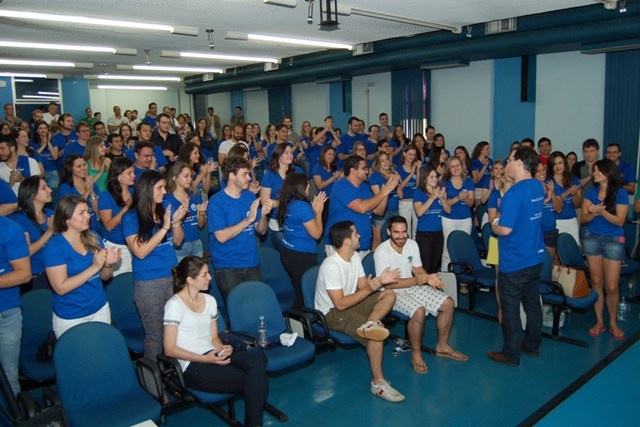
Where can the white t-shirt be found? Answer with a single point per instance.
(5, 173)
(336, 273)
(385, 256)
(48, 118)
(114, 121)
(226, 146)
(194, 329)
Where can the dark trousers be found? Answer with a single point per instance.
(515, 288)
(296, 263)
(245, 375)
(227, 278)
(431, 244)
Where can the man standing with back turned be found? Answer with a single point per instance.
(520, 264)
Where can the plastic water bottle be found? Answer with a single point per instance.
(622, 310)
(262, 332)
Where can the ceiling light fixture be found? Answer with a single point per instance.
(40, 97)
(346, 10)
(66, 47)
(132, 87)
(623, 6)
(234, 35)
(23, 80)
(608, 4)
(36, 63)
(227, 57)
(147, 56)
(48, 93)
(88, 21)
(131, 77)
(310, 12)
(25, 75)
(329, 15)
(285, 3)
(171, 68)
(212, 42)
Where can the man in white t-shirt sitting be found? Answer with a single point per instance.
(352, 304)
(417, 293)
(225, 146)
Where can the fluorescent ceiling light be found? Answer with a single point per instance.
(27, 75)
(40, 97)
(48, 93)
(286, 3)
(127, 77)
(228, 57)
(132, 87)
(346, 10)
(234, 35)
(5, 61)
(175, 68)
(23, 80)
(88, 21)
(55, 46)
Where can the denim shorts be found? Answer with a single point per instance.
(610, 247)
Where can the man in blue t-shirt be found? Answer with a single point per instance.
(520, 264)
(234, 217)
(352, 200)
(629, 178)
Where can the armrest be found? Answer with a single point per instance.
(171, 374)
(28, 407)
(239, 340)
(302, 318)
(51, 398)
(554, 288)
(149, 378)
(466, 267)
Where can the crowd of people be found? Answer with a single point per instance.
(83, 202)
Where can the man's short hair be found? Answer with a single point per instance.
(96, 124)
(141, 145)
(238, 107)
(527, 141)
(528, 157)
(381, 115)
(62, 117)
(327, 118)
(161, 115)
(9, 140)
(591, 142)
(615, 144)
(543, 139)
(7, 104)
(140, 125)
(287, 117)
(373, 126)
(81, 125)
(339, 232)
(397, 219)
(352, 119)
(150, 104)
(53, 103)
(430, 127)
(280, 127)
(352, 162)
(210, 109)
(87, 109)
(232, 165)
(111, 136)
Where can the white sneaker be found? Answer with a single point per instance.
(373, 331)
(384, 390)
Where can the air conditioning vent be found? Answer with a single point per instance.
(270, 66)
(207, 77)
(501, 26)
(362, 49)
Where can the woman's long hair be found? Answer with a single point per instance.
(92, 152)
(118, 166)
(446, 175)
(566, 174)
(66, 172)
(145, 206)
(173, 173)
(64, 211)
(424, 174)
(184, 155)
(333, 166)
(274, 161)
(477, 150)
(26, 193)
(294, 187)
(190, 266)
(614, 183)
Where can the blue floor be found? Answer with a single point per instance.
(334, 390)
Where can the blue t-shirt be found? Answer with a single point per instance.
(84, 300)
(485, 179)
(431, 220)
(343, 193)
(224, 211)
(548, 216)
(23, 166)
(161, 160)
(66, 189)
(272, 147)
(45, 157)
(627, 172)
(106, 202)
(521, 210)
(190, 222)
(7, 196)
(296, 236)
(393, 204)
(60, 141)
(74, 148)
(599, 225)
(13, 246)
(460, 210)
(319, 170)
(161, 259)
(568, 210)
(35, 233)
(314, 154)
(274, 181)
(410, 188)
(151, 121)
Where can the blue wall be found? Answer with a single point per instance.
(75, 97)
(512, 119)
(340, 104)
(236, 98)
(6, 94)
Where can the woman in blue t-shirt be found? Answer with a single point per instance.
(428, 203)
(47, 152)
(76, 264)
(383, 170)
(408, 172)
(191, 154)
(113, 204)
(604, 210)
(481, 165)
(460, 196)
(301, 222)
(325, 173)
(37, 222)
(74, 180)
(551, 207)
(566, 189)
(181, 193)
(151, 231)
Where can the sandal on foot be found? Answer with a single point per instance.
(419, 367)
(596, 331)
(453, 355)
(618, 336)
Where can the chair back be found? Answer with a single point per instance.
(462, 249)
(547, 265)
(384, 231)
(248, 301)
(569, 251)
(275, 275)
(486, 234)
(369, 265)
(309, 279)
(123, 310)
(36, 326)
(92, 363)
(214, 291)
(320, 253)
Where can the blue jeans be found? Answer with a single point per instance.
(189, 248)
(10, 337)
(515, 288)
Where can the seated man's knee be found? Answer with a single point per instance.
(419, 314)
(447, 305)
(388, 295)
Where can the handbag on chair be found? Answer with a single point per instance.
(573, 281)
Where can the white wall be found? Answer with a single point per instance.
(368, 106)
(461, 103)
(309, 101)
(570, 99)
(103, 100)
(257, 107)
(220, 103)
